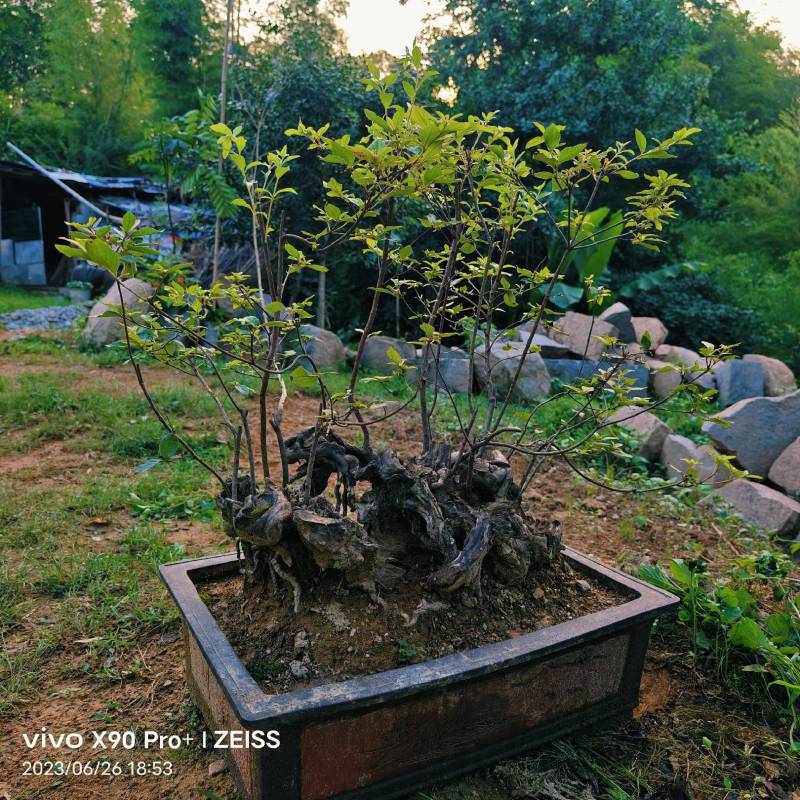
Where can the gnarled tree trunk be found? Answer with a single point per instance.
(463, 517)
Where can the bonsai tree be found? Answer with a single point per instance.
(335, 501)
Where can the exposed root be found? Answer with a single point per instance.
(461, 513)
(465, 569)
(290, 579)
(424, 607)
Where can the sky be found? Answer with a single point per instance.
(783, 14)
(386, 25)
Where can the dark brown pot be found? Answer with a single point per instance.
(386, 735)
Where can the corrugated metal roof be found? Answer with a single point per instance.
(136, 183)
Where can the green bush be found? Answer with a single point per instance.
(698, 307)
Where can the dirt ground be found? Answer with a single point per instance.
(152, 696)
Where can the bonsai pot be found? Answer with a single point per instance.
(389, 734)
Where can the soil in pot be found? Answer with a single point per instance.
(340, 633)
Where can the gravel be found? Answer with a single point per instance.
(49, 317)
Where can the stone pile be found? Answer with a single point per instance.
(46, 318)
(763, 434)
(759, 394)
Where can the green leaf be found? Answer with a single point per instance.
(101, 254)
(302, 378)
(655, 575)
(70, 252)
(169, 446)
(747, 633)
(563, 295)
(128, 221)
(393, 356)
(680, 572)
(641, 140)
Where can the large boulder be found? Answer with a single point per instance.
(324, 348)
(548, 348)
(682, 356)
(778, 378)
(580, 332)
(678, 451)
(453, 372)
(686, 358)
(709, 470)
(737, 380)
(652, 325)
(758, 504)
(761, 428)
(648, 428)
(100, 330)
(785, 471)
(569, 370)
(664, 377)
(504, 360)
(619, 315)
(376, 354)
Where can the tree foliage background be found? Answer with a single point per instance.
(82, 81)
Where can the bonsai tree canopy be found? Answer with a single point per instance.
(472, 189)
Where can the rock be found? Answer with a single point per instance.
(300, 641)
(101, 331)
(217, 767)
(504, 359)
(675, 453)
(654, 326)
(584, 586)
(324, 348)
(568, 370)
(778, 378)
(758, 504)
(761, 429)
(453, 371)
(678, 450)
(298, 669)
(662, 384)
(785, 471)
(619, 315)
(709, 471)
(548, 348)
(684, 357)
(225, 305)
(579, 332)
(738, 380)
(382, 410)
(649, 429)
(47, 318)
(375, 356)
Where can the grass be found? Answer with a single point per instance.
(16, 298)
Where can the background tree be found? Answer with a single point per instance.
(703, 63)
(605, 65)
(171, 39)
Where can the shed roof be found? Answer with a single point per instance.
(135, 183)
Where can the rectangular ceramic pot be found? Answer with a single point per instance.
(389, 734)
